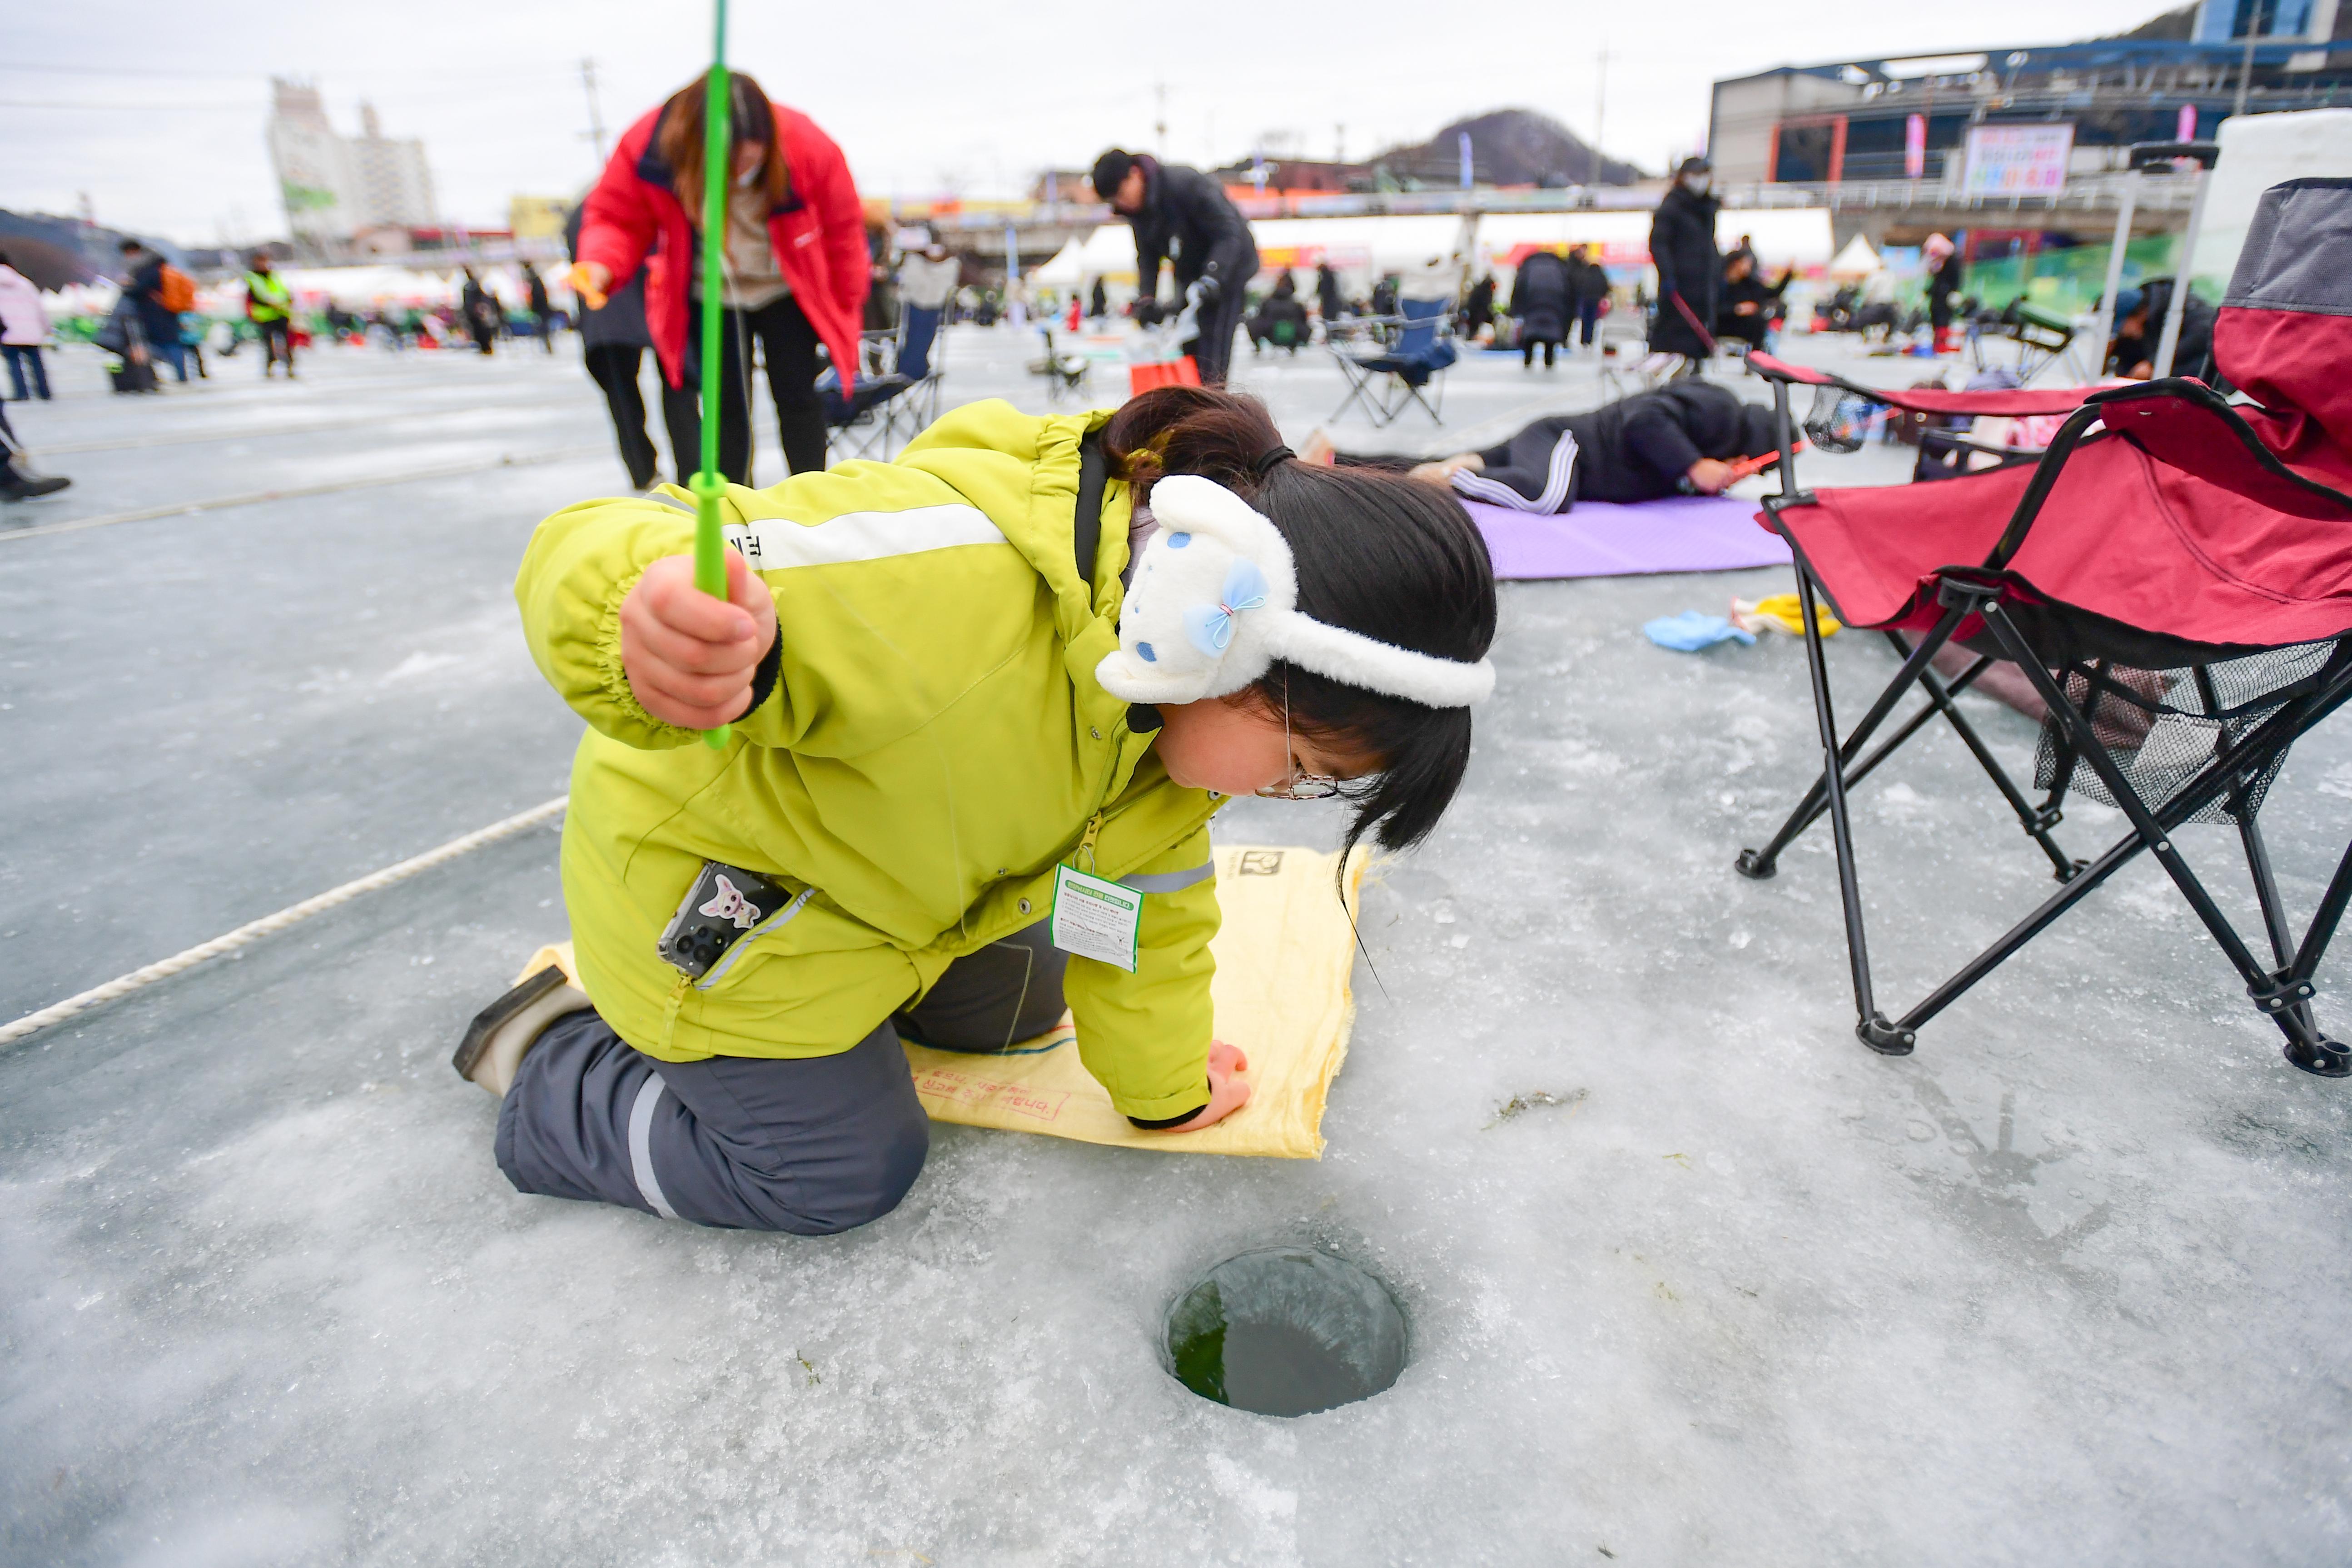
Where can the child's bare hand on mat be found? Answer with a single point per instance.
(689, 658)
(1711, 478)
(1228, 1090)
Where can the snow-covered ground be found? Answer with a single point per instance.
(2068, 1285)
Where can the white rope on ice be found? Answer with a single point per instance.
(297, 492)
(253, 931)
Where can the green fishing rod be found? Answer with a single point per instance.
(717, 171)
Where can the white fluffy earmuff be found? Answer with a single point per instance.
(1214, 601)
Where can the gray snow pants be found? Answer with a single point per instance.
(808, 1144)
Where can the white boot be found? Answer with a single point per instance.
(492, 1051)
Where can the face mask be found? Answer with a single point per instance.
(1696, 185)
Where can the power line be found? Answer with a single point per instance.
(250, 73)
(595, 110)
(129, 105)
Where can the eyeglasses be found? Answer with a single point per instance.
(1301, 786)
(1298, 783)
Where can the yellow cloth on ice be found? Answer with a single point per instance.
(1779, 613)
(1285, 953)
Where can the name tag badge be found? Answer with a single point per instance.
(1095, 918)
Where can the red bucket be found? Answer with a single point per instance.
(1142, 378)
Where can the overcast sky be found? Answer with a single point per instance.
(156, 110)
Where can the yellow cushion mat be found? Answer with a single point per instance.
(1285, 953)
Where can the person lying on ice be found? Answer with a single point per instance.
(940, 726)
(1681, 439)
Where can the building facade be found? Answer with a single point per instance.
(2029, 116)
(334, 186)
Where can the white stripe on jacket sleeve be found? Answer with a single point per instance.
(775, 543)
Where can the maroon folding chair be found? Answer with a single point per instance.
(2174, 575)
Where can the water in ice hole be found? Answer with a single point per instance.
(1281, 1331)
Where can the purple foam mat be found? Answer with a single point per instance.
(1604, 539)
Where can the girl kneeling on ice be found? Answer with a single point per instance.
(941, 721)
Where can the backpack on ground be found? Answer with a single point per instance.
(175, 290)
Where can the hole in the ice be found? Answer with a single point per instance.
(1283, 1330)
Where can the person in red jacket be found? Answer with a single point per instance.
(796, 268)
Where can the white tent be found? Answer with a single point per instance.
(1108, 252)
(364, 287)
(1067, 270)
(1362, 250)
(1856, 260)
(1359, 249)
(2257, 150)
(1783, 237)
(1505, 238)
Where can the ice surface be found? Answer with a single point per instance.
(1691, 1277)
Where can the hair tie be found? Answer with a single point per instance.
(1265, 464)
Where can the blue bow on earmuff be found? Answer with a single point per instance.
(1210, 627)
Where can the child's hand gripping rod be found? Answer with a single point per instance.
(718, 167)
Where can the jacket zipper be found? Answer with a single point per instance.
(780, 917)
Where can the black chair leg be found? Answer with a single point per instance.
(2306, 1048)
(2036, 823)
(1870, 1025)
(1759, 864)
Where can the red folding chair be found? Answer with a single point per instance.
(2174, 575)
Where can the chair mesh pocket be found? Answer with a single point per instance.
(2158, 752)
(1842, 421)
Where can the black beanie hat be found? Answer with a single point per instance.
(1109, 170)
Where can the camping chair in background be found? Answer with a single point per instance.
(898, 391)
(2173, 576)
(1948, 454)
(1951, 445)
(1064, 372)
(1625, 368)
(1391, 362)
(2043, 338)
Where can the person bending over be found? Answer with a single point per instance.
(1170, 205)
(950, 701)
(1681, 439)
(1543, 302)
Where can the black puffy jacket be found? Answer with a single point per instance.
(1187, 220)
(1541, 296)
(1682, 247)
(1640, 448)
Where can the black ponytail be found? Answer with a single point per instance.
(1377, 554)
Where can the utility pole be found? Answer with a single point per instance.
(2246, 66)
(1599, 110)
(1159, 124)
(595, 110)
(1340, 142)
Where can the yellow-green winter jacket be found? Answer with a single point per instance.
(935, 745)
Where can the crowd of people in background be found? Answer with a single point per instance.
(804, 276)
